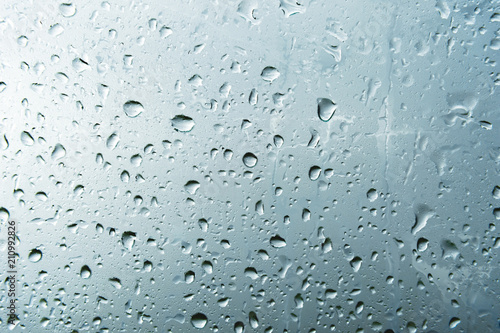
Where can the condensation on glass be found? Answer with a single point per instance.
(252, 166)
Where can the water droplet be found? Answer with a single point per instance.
(165, 32)
(496, 213)
(372, 195)
(80, 65)
(27, 139)
(270, 74)
(422, 215)
(192, 186)
(422, 244)
(85, 272)
(4, 143)
(251, 273)
(239, 327)
(56, 30)
(136, 160)
(250, 160)
(67, 9)
(454, 322)
(133, 108)
(199, 320)
(326, 109)
(496, 192)
(35, 255)
(314, 172)
(4, 215)
(58, 152)
(112, 141)
(253, 320)
(125, 176)
(278, 141)
(356, 263)
(189, 277)
(182, 123)
(128, 239)
(115, 282)
(207, 267)
(254, 97)
(277, 241)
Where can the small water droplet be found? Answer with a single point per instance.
(133, 108)
(326, 109)
(182, 123)
(250, 160)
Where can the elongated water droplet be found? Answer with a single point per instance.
(112, 141)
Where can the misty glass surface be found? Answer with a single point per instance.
(251, 166)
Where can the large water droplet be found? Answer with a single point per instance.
(314, 172)
(128, 239)
(372, 195)
(326, 109)
(199, 320)
(58, 152)
(133, 108)
(496, 192)
(27, 139)
(239, 327)
(270, 74)
(182, 123)
(192, 186)
(67, 9)
(85, 272)
(35, 255)
(112, 141)
(250, 160)
(277, 241)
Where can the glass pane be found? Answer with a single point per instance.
(250, 166)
